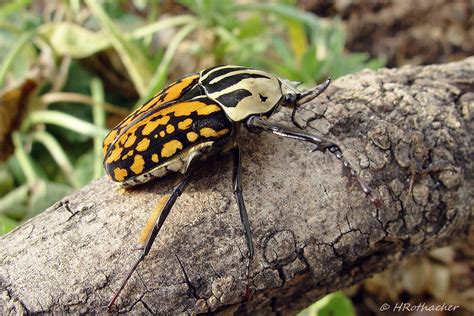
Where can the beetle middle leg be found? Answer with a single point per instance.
(177, 190)
(256, 123)
(237, 187)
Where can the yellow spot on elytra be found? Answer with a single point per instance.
(172, 92)
(209, 132)
(138, 164)
(176, 89)
(120, 174)
(185, 124)
(162, 133)
(155, 136)
(169, 128)
(170, 148)
(129, 154)
(152, 103)
(115, 154)
(147, 229)
(109, 139)
(208, 109)
(161, 117)
(186, 108)
(151, 126)
(154, 158)
(143, 144)
(192, 136)
(130, 141)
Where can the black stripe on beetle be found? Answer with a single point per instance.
(231, 81)
(233, 98)
(218, 73)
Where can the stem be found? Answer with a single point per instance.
(64, 120)
(98, 115)
(26, 164)
(59, 155)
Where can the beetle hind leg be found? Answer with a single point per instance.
(162, 211)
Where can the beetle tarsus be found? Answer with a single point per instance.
(352, 174)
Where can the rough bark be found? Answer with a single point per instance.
(408, 130)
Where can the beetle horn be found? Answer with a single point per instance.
(311, 94)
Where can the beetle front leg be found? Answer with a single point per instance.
(256, 123)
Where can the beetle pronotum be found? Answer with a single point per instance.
(196, 117)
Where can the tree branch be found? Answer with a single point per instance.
(410, 132)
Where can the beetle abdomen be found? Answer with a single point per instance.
(160, 135)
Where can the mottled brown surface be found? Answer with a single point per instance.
(404, 32)
(410, 130)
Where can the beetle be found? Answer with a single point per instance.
(197, 117)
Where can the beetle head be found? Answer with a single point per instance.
(290, 90)
(293, 96)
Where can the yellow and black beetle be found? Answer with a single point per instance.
(196, 117)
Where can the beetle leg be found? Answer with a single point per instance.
(255, 123)
(306, 97)
(177, 190)
(237, 183)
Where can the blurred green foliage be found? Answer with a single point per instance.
(333, 304)
(83, 56)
